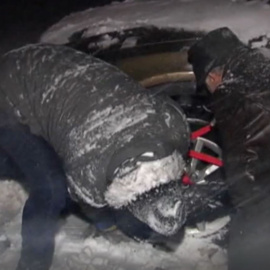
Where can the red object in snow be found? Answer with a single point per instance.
(200, 132)
(206, 158)
(186, 180)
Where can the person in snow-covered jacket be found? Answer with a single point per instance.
(238, 78)
(74, 123)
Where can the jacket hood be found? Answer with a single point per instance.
(213, 50)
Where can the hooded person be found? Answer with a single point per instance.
(238, 79)
(116, 142)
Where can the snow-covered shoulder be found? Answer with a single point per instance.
(145, 177)
(247, 19)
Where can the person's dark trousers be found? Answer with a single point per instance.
(249, 245)
(30, 160)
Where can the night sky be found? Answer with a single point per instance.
(22, 21)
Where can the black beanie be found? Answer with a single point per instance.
(213, 50)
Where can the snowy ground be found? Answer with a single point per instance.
(110, 251)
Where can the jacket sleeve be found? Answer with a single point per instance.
(46, 183)
(247, 151)
(241, 107)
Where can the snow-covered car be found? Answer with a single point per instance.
(248, 19)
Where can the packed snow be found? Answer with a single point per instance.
(76, 250)
(247, 19)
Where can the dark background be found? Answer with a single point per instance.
(23, 21)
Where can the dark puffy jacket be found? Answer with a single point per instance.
(87, 110)
(242, 109)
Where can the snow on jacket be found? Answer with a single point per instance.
(88, 111)
(242, 109)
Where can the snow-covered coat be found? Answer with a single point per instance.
(242, 109)
(93, 115)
